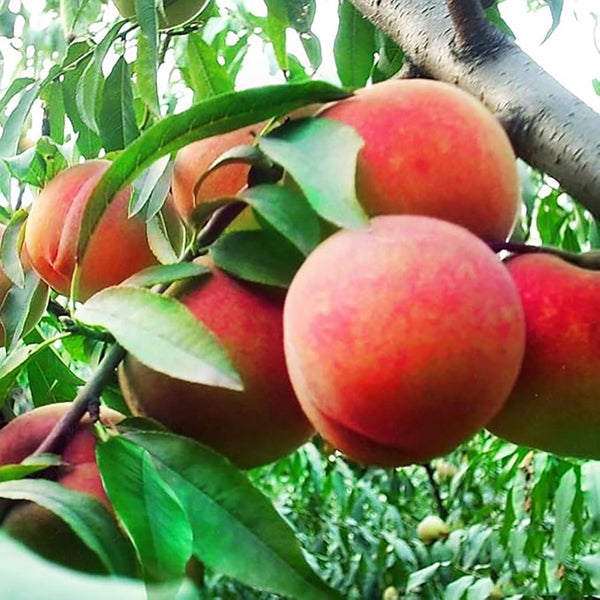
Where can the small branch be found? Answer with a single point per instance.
(88, 395)
(436, 491)
(586, 260)
(218, 222)
(470, 23)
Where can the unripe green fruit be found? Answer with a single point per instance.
(176, 11)
(432, 528)
(390, 593)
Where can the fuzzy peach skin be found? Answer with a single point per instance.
(402, 339)
(432, 149)
(34, 525)
(117, 249)
(195, 158)
(253, 427)
(555, 404)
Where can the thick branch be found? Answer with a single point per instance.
(549, 127)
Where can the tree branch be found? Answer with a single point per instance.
(585, 260)
(469, 21)
(549, 127)
(437, 496)
(63, 430)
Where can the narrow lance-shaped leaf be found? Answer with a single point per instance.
(23, 307)
(146, 63)
(10, 248)
(89, 87)
(208, 77)
(86, 516)
(354, 46)
(237, 531)
(215, 115)
(118, 126)
(163, 274)
(149, 510)
(145, 184)
(277, 22)
(162, 333)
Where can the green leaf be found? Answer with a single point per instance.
(21, 306)
(149, 510)
(456, 590)
(17, 582)
(354, 46)
(11, 132)
(321, 157)
(288, 212)
(563, 530)
(88, 95)
(146, 183)
(32, 465)
(118, 127)
(12, 364)
(277, 22)
(146, 63)
(159, 240)
(39, 164)
(259, 256)
(88, 142)
(162, 333)
(237, 531)
(421, 577)
(163, 274)
(16, 87)
(52, 95)
(208, 77)
(590, 472)
(86, 516)
(556, 7)
(10, 248)
(215, 115)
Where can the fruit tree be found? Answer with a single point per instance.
(299, 299)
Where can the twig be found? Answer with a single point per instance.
(586, 260)
(469, 20)
(436, 491)
(88, 395)
(218, 222)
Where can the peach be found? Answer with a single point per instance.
(34, 525)
(554, 404)
(195, 158)
(402, 339)
(253, 427)
(177, 12)
(432, 149)
(118, 247)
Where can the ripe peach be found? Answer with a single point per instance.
(432, 149)
(402, 339)
(195, 158)
(34, 525)
(176, 12)
(253, 427)
(432, 528)
(554, 404)
(118, 247)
